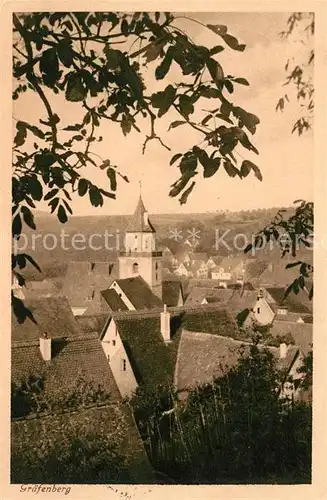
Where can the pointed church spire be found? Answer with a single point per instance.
(140, 222)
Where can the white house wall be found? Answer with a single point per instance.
(262, 312)
(116, 355)
(122, 295)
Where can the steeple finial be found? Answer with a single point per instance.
(140, 184)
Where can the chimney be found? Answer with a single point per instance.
(165, 324)
(45, 347)
(283, 350)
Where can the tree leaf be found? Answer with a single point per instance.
(62, 215)
(176, 124)
(65, 52)
(49, 66)
(163, 100)
(35, 188)
(232, 42)
(20, 311)
(53, 204)
(211, 167)
(96, 198)
(28, 217)
(241, 81)
(163, 68)
(75, 90)
(245, 168)
(51, 194)
(20, 134)
(216, 50)
(231, 170)
(16, 226)
(229, 86)
(186, 105)
(175, 158)
(219, 29)
(187, 192)
(82, 187)
(215, 70)
(32, 261)
(111, 173)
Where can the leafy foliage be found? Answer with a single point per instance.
(87, 58)
(237, 430)
(290, 233)
(299, 74)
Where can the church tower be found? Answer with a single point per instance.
(140, 257)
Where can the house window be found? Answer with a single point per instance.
(124, 365)
(282, 312)
(135, 268)
(114, 343)
(108, 358)
(258, 310)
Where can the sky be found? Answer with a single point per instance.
(286, 160)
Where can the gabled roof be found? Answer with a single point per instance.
(92, 323)
(151, 360)
(301, 332)
(294, 302)
(46, 287)
(139, 293)
(53, 315)
(138, 224)
(202, 357)
(233, 299)
(216, 321)
(171, 292)
(113, 300)
(293, 317)
(85, 279)
(71, 356)
(82, 356)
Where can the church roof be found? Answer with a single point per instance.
(113, 300)
(139, 293)
(138, 224)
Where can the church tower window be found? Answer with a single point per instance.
(135, 268)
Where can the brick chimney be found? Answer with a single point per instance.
(283, 350)
(165, 324)
(45, 347)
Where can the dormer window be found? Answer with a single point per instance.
(282, 312)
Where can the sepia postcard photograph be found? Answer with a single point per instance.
(166, 318)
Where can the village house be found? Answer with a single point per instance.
(213, 262)
(50, 357)
(202, 357)
(199, 269)
(84, 281)
(182, 270)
